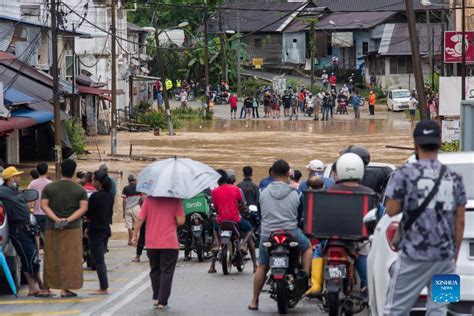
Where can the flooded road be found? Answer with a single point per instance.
(236, 143)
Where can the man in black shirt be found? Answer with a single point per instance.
(286, 103)
(131, 205)
(249, 188)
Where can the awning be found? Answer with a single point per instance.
(46, 107)
(15, 123)
(13, 96)
(104, 93)
(39, 117)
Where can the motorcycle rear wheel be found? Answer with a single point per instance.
(334, 308)
(282, 296)
(226, 258)
(199, 248)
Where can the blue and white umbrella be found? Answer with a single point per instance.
(7, 272)
(181, 178)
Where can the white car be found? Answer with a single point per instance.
(397, 100)
(382, 256)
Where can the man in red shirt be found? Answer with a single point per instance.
(333, 81)
(229, 201)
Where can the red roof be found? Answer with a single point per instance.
(6, 56)
(15, 123)
(98, 91)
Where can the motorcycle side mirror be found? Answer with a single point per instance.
(30, 195)
(370, 221)
(253, 208)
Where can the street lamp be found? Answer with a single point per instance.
(161, 67)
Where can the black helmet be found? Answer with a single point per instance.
(359, 150)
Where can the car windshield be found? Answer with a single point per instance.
(467, 172)
(401, 94)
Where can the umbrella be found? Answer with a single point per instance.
(6, 271)
(181, 178)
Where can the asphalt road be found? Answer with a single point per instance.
(195, 292)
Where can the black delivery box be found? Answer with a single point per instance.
(337, 214)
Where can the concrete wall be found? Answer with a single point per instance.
(294, 48)
(271, 47)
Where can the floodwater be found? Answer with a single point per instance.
(237, 143)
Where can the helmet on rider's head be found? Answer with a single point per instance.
(350, 167)
(359, 150)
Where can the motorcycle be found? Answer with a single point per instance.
(177, 96)
(230, 253)
(288, 282)
(339, 294)
(196, 235)
(254, 219)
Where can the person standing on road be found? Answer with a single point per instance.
(281, 209)
(432, 199)
(64, 202)
(233, 106)
(100, 211)
(356, 104)
(19, 224)
(184, 98)
(130, 205)
(248, 103)
(294, 107)
(327, 103)
(38, 185)
(318, 105)
(286, 99)
(249, 188)
(333, 81)
(372, 101)
(162, 216)
(267, 100)
(325, 79)
(255, 107)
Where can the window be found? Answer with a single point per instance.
(257, 43)
(365, 48)
(69, 66)
(400, 65)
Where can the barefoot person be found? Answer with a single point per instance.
(99, 213)
(64, 202)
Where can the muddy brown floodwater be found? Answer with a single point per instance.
(235, 143)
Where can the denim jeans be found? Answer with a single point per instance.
(98, 247)
(326, 111)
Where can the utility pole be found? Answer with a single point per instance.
(161, 66)
(55, 74)
(416, 60)
(206, 49)
(430, 46)
(463, 50)
(313, 42)
(114, 83)
(239, 82)
(222, 40)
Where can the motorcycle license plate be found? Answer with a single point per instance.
(196, 228)
(335, 271)
(278, 262)
(226, 233)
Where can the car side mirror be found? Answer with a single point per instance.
(370, 221)
(30, 195)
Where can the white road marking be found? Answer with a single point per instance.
(117, 294)
(130, 297)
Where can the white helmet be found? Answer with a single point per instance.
(350, 167)
(316, 165)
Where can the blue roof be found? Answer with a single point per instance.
(13, 96)
(38, 116)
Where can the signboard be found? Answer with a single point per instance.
(453, 46)
(450, 94)
(279, 85)
(342, 39)
(450, 131)
(257, 62)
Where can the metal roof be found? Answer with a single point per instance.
(13, 123)
(352, 20)
(135, 28)
(262, 17)
(38, 24)
(39, 117)
(374, 5)
(396, 39)
(14, 97)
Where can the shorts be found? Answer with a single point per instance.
(275, 107)
(131, 215)
(303, 244)
(286, 106)
(233, 110)
(244, 226)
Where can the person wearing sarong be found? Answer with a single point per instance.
(64, 202)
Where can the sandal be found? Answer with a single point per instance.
(68, 294)
(253, 308)
(44, 295)
(136, 260)
(33, 293)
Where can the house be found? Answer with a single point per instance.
(392, 63)
(261, 26)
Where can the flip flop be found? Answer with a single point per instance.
(69, 294)
(44, 295)
(33, 294)
(253, 308)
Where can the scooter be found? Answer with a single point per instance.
(230, 254)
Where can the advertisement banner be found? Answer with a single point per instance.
(453, 46)
(450, 131)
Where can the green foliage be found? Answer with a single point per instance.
(76, 136)
(451, 146)
(252, 86)
(157, 119)
(190, 114)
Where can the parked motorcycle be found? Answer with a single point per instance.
(177, 96)
(288, 282)
(230, 254)
(254, 219)
(196, 235)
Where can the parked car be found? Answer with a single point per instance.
(382, 255)
(397, 100)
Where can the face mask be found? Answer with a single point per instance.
(15, 185)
